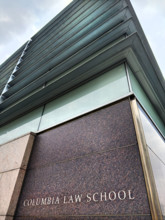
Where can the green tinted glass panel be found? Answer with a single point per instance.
(145, 102)
(153, 138)
(96, 93)
(21, 126)
(156, 147)
(159, 174)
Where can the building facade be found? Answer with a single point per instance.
(82, 120)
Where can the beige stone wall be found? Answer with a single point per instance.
(14, 157)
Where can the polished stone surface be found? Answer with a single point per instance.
(114, 170)
(132, 217)
(15, 154)
(6, 218)
(14, 157)
(101, 130)
(10, 185)
(89, 156)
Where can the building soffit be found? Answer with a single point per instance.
(131, 47)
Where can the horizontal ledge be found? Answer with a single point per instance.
(125, 49)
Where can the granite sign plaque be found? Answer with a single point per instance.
(88, 168)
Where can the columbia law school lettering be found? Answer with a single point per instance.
(82, 120)
(95, 197)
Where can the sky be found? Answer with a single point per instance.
(21, 19)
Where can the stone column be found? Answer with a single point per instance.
(14, 157)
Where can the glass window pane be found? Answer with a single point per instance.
(145, 102)
(156, 148)
(96, 93)
(153, 138)
(159, 174)
(21, 126)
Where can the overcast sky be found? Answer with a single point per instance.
(21, 19)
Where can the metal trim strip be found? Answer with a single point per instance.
(146, 164)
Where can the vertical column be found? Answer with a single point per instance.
(14, 157)
(146, 164)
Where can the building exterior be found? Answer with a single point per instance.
(82, 120)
